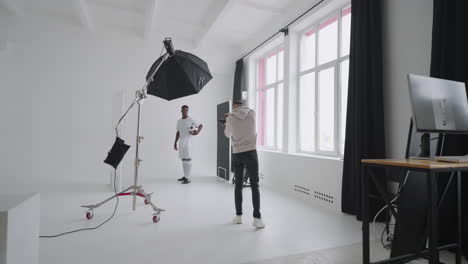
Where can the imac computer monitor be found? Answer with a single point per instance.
(438, 105)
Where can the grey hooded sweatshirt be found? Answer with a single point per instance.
(240, 126)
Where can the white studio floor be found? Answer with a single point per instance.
(196, 228)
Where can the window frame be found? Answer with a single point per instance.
(265, 55)
(337, 151)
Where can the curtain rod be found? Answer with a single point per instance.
(284, 30)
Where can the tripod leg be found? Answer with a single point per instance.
(148, 200)
(105, 201)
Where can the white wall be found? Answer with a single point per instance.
(58, 92)
(313, 179)
(406, 38)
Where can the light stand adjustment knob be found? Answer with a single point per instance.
(137, 162)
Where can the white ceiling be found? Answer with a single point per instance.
(231, 22)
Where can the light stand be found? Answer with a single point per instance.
(136, 190)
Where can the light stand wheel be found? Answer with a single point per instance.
(156, 218)
(89, 215)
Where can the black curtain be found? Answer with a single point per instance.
(450, 61)
(238, 81)
(365, 135)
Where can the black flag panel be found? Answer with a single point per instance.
(117, 152)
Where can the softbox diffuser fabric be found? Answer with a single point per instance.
(180, 75)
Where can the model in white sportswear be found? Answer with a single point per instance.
(184, 137)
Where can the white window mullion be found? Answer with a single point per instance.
(341, 59)
(339, 33)
(298, 94)
(338, 103)
(275, 139)
(337, 88)
(320, 67)
(266, 131)
(316, 112)
(337, 111)
(298, 116)
(338, 85)
(276, 101)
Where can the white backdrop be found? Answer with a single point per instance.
(60, 93)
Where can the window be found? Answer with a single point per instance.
(323, 84)
(269, 107)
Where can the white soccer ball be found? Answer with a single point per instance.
(193, 128)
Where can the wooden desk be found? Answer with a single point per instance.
(431, 168)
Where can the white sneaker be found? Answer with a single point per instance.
(258, 223)
(237, 219)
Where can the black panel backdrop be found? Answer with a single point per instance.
(223, 147)
(365, 135)
(450, 61)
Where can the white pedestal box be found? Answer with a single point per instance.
(19, 228)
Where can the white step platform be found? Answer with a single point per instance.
(19, 228)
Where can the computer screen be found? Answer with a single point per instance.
(438, 105)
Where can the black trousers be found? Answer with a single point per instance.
(249, 160)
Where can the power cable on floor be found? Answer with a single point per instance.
(91, 228)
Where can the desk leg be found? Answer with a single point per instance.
(459, 219)
(432, 218)
(365, 216)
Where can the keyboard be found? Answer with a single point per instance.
(458, 159)
(422, 158)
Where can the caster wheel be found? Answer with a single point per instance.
(146, 201)
(89, 215)
(156, 218)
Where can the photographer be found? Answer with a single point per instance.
(240, 126)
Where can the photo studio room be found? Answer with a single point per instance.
(233, 131)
